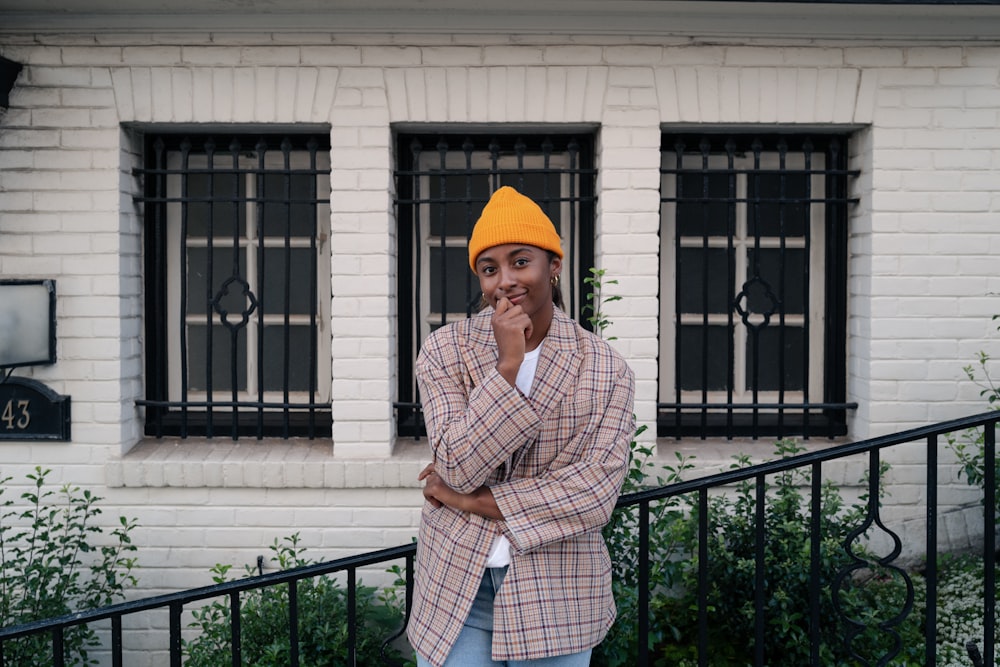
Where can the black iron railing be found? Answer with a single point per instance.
(177, 603)
(814, 461)
(645, 502)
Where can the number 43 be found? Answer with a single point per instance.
(16, 416)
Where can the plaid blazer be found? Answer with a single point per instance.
(555, 462)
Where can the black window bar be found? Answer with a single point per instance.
(743, 211)
(217, 210)
(443, 181)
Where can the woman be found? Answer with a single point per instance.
(529, 419)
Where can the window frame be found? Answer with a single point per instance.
(739, 409)
(501, 158)
(173, 406)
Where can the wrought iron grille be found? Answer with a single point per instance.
(443, 182)
(753, 285)
(237, 282)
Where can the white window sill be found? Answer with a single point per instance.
(261, 464)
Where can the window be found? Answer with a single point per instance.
(443, 182)
(237, 286)
(753, 286)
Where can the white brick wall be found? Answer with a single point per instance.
(923, 245)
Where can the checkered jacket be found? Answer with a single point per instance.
(555, 462)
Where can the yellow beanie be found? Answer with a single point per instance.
(510, 217)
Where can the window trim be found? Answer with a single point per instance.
(499, 143)
(282, 413)
(711, 414)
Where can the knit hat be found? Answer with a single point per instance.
(510, 217)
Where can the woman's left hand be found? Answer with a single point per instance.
(434, 486)
(438, 493)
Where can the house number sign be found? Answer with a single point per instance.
(31, 411)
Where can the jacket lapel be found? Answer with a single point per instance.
(558, 365)
(558, 362)
(555, 375)
(481, 355)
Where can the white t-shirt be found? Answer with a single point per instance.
(500, 552)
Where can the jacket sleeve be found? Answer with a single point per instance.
(578, 498)
(472, 432)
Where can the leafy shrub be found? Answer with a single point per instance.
(961, 577)
(52, 563)
(872, 595)
(596, 300)
(322, 621)
(671, 533)
(970, 447)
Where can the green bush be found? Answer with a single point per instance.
(671, 534)
(864, 595)
(322, 622)
(871, 595)
(970, 447)
(53, 562)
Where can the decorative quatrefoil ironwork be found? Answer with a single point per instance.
(249, 300)
(756, 289)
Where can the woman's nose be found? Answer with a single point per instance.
(506, 277)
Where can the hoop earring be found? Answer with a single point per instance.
(555, 280)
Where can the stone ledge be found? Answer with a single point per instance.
(260, 464)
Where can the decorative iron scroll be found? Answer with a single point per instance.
(880, 567)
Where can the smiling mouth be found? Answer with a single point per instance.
(515, 299)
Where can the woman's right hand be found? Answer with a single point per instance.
(511, 329)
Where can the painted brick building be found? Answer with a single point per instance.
(884, 120)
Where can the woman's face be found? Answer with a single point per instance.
(522, 273)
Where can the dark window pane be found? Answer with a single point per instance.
(775, 210)
(691, 279)
(788, 286)
(697, 359)
(457, 216)
(460, 287)
(222, 358)
(280, 190)
(771, 347)
(696, 215)
(219, 207)
(203, 288)
(299, 362)
(273, 281)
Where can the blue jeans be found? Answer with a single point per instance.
(476, 639)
